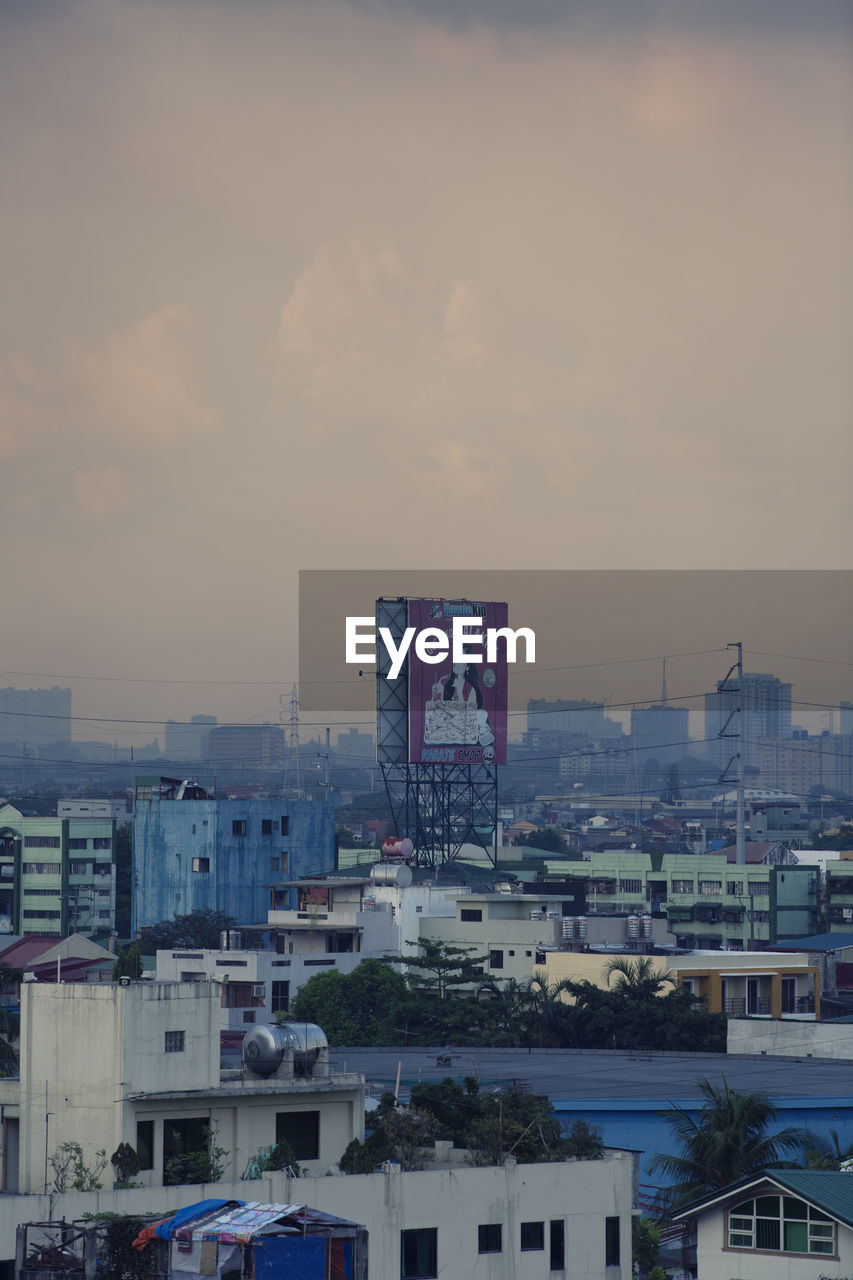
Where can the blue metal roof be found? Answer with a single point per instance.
(817, 942)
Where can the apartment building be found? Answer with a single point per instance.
(57, 875)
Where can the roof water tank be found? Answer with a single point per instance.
(264, 1047)
(581, 928)
(568, 928)
(633, 923)
(391, 873)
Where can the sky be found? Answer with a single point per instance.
(408, 285)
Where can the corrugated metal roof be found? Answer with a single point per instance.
(828, 1190)
(817, 942)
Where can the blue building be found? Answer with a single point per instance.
(193, 851)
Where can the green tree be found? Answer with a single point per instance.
(128, 962)
(729, 1139)
(645, 1243)
(124, 878)
(9, 1028)
(358, 1008)
(635, 977)
(440, 968)
(549, 838)
(198, 929)
(203, 1165)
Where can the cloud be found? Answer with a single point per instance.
(139, 383)
(99, 495)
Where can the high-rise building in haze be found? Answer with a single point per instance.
(660, 732)
(188, 741)
(766, 714)
(33, 718)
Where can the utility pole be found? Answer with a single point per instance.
(736, 715)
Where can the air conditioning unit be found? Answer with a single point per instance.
(259, 989)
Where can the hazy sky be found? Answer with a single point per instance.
(332, 285)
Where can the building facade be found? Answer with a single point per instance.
(57, 875)
(193, 851)
(766, 707)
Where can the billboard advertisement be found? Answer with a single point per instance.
(458, 701)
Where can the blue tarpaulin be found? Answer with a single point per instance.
(165, 1229)
(297, 1257)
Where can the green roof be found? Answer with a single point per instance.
(826, 1189)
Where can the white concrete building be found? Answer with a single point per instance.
(785, 1224)
(105, 1064)
(569, 1221)
(338, 922)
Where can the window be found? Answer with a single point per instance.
(558, 1245)
(273, 864)
(470, 913)
(186, 1150)
(78, 843)
(418, 909)
(43, 893)
(631, 886)
(41, 842)
(266, 826)
(419, 1254)
(611, 1242)
(734, 887)
(238, 827)
(248, 1015)
(489, 1238)
(280, 997)
(301, 1131)
(759, 888)
(711, 887)
(201, 864)
(145, 1144)
(496, 959)
(512, 953)
(682, 886)
(41, 868)
(103, 915)
(102, 842)
(528, 953)
(780, 1223)
(41, 915)
(174, 1042)
(78, 868)
(284, 862)
(532, 1236)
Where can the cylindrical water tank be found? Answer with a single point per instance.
(264, 1047)
(580, 930)
(391, 873)
(647, 927)
(568, 928)
(398, 847)
(633, 924)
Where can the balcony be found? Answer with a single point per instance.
(741, 1007)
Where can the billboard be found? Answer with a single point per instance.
(457, 708)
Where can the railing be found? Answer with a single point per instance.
(745, 1008)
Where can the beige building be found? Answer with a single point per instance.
(105, 1064)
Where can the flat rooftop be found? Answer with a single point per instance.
(609, 1076)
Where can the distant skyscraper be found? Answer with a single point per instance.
(767, 714)
(846, 725)
(188, 741)
(574, 717)
(252, 746)
(33, 718)
(660, 732)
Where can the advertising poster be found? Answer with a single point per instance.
(458, 710)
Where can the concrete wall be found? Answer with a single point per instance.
(582, 1194)
(169, 834)
(791, 1039)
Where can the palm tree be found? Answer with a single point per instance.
(636, 975)
(727, 1141)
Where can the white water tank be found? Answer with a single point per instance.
(396, 873)
(568, 928)
(633, 924)
(264, 1047)
(647, 928)
(580, 931)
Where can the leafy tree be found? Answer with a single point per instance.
(586, 1141)
(70, 1171)
(200, 929)
(440, 967)
(822, 1154)
(125, 1162)
(268, 1159)
(128, 962)
(549, 838)
(645, 1243)
(636, 977)
(203, 1165)
(358, 1008)
(9, 1030)
(117, 1259)
(728, 1140)
(124, 878)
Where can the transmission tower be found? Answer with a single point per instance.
(292, 785)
